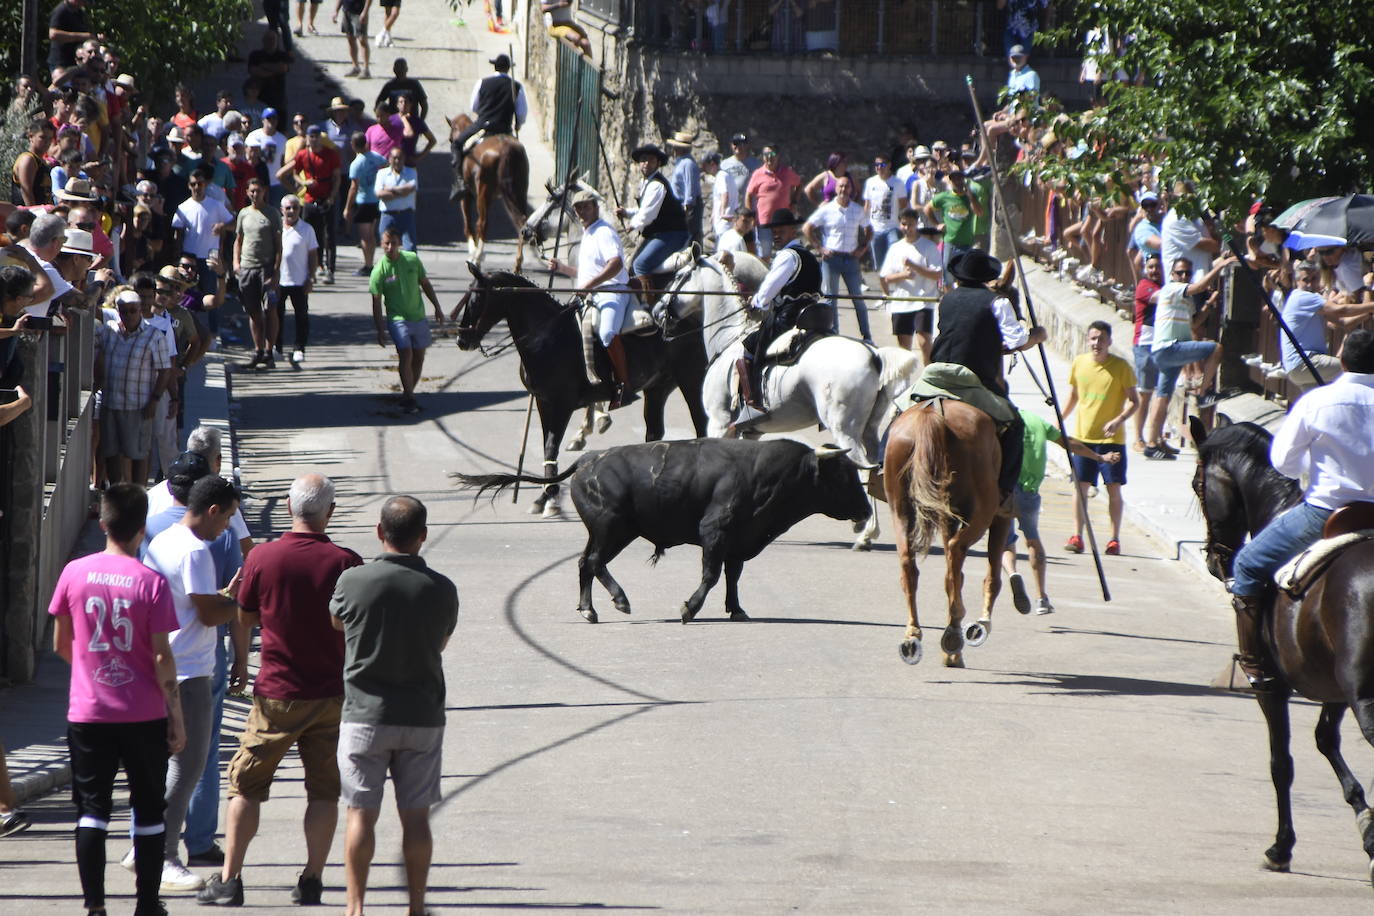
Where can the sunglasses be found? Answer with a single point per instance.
(130, 309)
(880, 163)
(86, 226)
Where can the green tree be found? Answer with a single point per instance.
(1244, 97)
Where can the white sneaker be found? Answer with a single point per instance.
(1043, 606)
(128, 860)
(178, 879)
(297, 356)
(381, 38)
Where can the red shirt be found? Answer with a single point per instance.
(772, 191)
(1144, 308)
(243, 172)
(289, 583)
(320, 171)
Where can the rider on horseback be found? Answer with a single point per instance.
(660, 219)
(792, 285)
(976, 326)
(499, 107)
(1326, 435)
(601, 275)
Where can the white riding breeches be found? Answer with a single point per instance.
(610, 315)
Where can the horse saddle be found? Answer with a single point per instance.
(951, 381)
(636, 321)
(474, 140)
(789, 346)
(1297, 575)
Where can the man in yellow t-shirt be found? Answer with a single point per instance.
(1102, 387)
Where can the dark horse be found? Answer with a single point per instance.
(549, 341)
(496, 165)
(1322, 645)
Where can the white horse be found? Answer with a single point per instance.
(841, 383)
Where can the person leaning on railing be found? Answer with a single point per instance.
(16, 292)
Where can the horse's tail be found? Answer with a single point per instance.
(928, 478)
(498, 482)
(897, 365)
(515, 182)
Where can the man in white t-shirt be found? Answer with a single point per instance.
(207, 442)
(912, 269)
(1347, 271)
(724, 194)
(1184, 237)
(200, 224)
(839, 230)
(740, 235)
(300, 256)
(883, 197)
(601, 273)
(273, 144)
(183, 557)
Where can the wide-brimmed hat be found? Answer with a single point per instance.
(500, 62)
(682, 139)
(783, 217)
(79, 241)
(338, 103)
(921, 152)
(648, 149)
(975, 266)
(127, 81)
(77, 189)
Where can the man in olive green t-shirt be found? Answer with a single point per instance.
(396, 615)
(257, 257)
(954, 210)
(396, 283)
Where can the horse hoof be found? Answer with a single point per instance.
(862, 545)
(551, 510)
(951, 640)
(977, 633)
(622, 606)
(603, 422)
(911, 651)
(588, 614)
(738, 614)
(536, 507)
(576, 445)
(956, 660)
(1272, 865)
(687, 613)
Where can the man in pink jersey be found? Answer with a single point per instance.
(112, 616)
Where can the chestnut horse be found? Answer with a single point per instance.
(496, 165)
(940, 476)
(1323, 645)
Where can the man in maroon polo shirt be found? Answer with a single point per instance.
(298, 694)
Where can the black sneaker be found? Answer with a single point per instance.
(155, 909)
(221, 893)
(210, 858)
(409, 405)
(1156, 453)
(269, 361)
(307, 891)
(1207, 400)
(12, 823)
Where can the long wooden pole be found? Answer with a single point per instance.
(1004, 222)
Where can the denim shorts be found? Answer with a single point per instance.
(1026, 512)
(1169, 362)
(1146, 373)
(1086, 470)
(409, 335)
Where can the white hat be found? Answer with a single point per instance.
(128, 297)
(145, 187)
(79, 241)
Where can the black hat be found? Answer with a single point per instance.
(189, 464)
(649, 149)
(500, 62)
(975, 266)
(739, 138)
(783, 217)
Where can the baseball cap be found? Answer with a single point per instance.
(585, 197)
(189, 464)
(128, 297)
(1148, 195)
(740, 138)
(269, 113)
(1017, 51)
(314, 129)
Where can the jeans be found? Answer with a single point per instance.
(1280, 541)
(1146, 373)
(202, 816)
(404, 221)
(882, 241)
(1169, 362)
(656, 250)
(322, 219)
(846, 266)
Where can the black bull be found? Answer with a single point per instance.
(731, 497)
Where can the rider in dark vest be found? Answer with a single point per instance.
(498, 106)
(792, 284)
(971, 335)
(659, 217)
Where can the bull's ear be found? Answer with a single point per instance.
(829, 451)
(1199, 432)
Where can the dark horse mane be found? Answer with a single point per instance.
(1243, 450)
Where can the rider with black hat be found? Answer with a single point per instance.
(659, 217)
(792, 284)
(498, 107)
(976, 326)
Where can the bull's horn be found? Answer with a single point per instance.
(830, 451)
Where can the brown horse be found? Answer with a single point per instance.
(1323, 645)
(496, 165)
(940, 475)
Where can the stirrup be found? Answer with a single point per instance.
(1255, 672)
(748, 416)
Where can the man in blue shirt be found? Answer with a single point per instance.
(1306, 312)
(1021, 78)
(686, 181)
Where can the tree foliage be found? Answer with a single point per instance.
(1245, 97)
(161, 42)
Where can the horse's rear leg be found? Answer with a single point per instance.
(895, 485)
(579, 439)
(952, 642)
(479, 235)
(1274, 705)
(979, 631)
(1364, 714)
(654, 400)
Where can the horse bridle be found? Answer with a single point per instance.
(511, 340)
(1219, 556)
